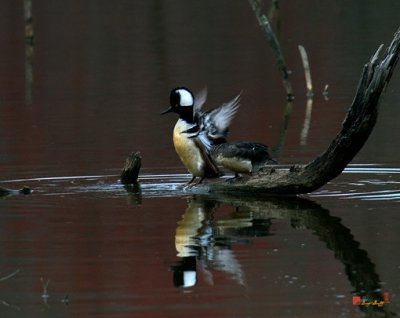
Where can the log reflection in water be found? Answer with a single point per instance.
(203, 242)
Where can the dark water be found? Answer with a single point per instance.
(84, 246)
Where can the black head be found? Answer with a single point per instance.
(181, 102)
(181, 97)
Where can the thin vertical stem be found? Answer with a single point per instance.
(307, 72)
(306, 124)
(275, 46)
(29, 50)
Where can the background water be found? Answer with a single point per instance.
(89, 92)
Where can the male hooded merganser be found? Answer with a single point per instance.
(192, 147)
(241, 157)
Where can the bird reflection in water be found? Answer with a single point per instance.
(204, 244)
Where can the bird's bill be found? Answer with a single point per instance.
(166, 111)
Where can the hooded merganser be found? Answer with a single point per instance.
(191, 146)
(241, 157)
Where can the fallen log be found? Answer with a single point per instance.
(356, 128)
(299, 179)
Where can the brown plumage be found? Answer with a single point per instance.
(242, 157)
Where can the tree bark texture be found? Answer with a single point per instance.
(130, 172)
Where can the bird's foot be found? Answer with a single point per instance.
(191, 183)
(234, 179)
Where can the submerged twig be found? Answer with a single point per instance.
(275, 46)
(3, 302)
(307, 72)
(45, 294)
(65, 300)
(2, 279)
(9, 275)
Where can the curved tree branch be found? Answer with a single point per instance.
(356, 128)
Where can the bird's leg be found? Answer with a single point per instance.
(201, 180)
(190, 182)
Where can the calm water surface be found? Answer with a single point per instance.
(89, 93)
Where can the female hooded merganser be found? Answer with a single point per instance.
(241, 157)
(192, 147)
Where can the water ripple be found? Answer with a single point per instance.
(377, 183)
(371, 170)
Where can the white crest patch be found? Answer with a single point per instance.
(186, 97)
